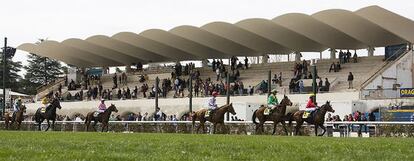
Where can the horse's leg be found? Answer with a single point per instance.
(284, 127)
(298, 126)
(103, 126)
(324, 130)
(274, 127)
(316, 129)
(87, 122)
(48, 124)
(214, 128)
(53, 125)
(94, 124)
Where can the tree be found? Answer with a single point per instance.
(42, 70)
(12, 76)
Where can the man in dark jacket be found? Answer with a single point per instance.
(350, 79)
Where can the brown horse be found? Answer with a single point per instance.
(317, 118)
(216, 118)
(278, 115)
(18, 118)
(102, 117)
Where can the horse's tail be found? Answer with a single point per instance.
(254, 117)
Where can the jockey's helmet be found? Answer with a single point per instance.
(274, 91)
(215, 94)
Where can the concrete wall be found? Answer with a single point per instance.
(341, 103)
(398, 73)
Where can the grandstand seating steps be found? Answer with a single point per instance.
(258, 72)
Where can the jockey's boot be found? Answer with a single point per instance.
(14, 116)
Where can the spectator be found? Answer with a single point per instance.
(355, 57)
(218, 74)
(350, 79)
(301, 86)
(332, 67)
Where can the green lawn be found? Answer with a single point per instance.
(119, 146)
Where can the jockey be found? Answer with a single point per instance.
(310, 106)
(102, 106)
(17, 105)
(45, 102)
(272, 100)
(212, 105)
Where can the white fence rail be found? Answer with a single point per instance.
(336, 129)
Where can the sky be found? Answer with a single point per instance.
(25, 21)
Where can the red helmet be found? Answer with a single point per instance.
(215, 94)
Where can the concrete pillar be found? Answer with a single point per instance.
(257, 60)
(320, 55)
(264, 59)
(370, 51)
(333, 53)
(298, 55)
(288, 57)
(127, 68)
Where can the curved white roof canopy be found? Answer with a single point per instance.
(371, 26)
(173, 54)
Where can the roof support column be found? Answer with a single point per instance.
(265, 59)
(298, 55)
(320, 55)
(371, 51)
(288, 57)
(333, 53)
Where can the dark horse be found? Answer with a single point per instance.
(278, 115)
(18, 118)
(216, 118)
(49, 114)
(317, 118)
(102, 117)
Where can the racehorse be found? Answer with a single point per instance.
(49, 114)
(102, 117)
(216, 118)
(316, 118)
(18, 118)
(278, 115)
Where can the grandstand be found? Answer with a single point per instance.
(286, 34)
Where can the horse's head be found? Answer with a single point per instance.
(112, 108)
(56, 103)
(286, 101)
(231, 109)
(327, 106)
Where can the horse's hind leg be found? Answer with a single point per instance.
(316, 130)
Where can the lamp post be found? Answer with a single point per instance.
(228, 94)
(157, 81)
(314, 75)
(191, 93)
(4, 75)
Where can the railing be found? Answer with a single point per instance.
(336, 129)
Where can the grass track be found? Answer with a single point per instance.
(118, 146)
